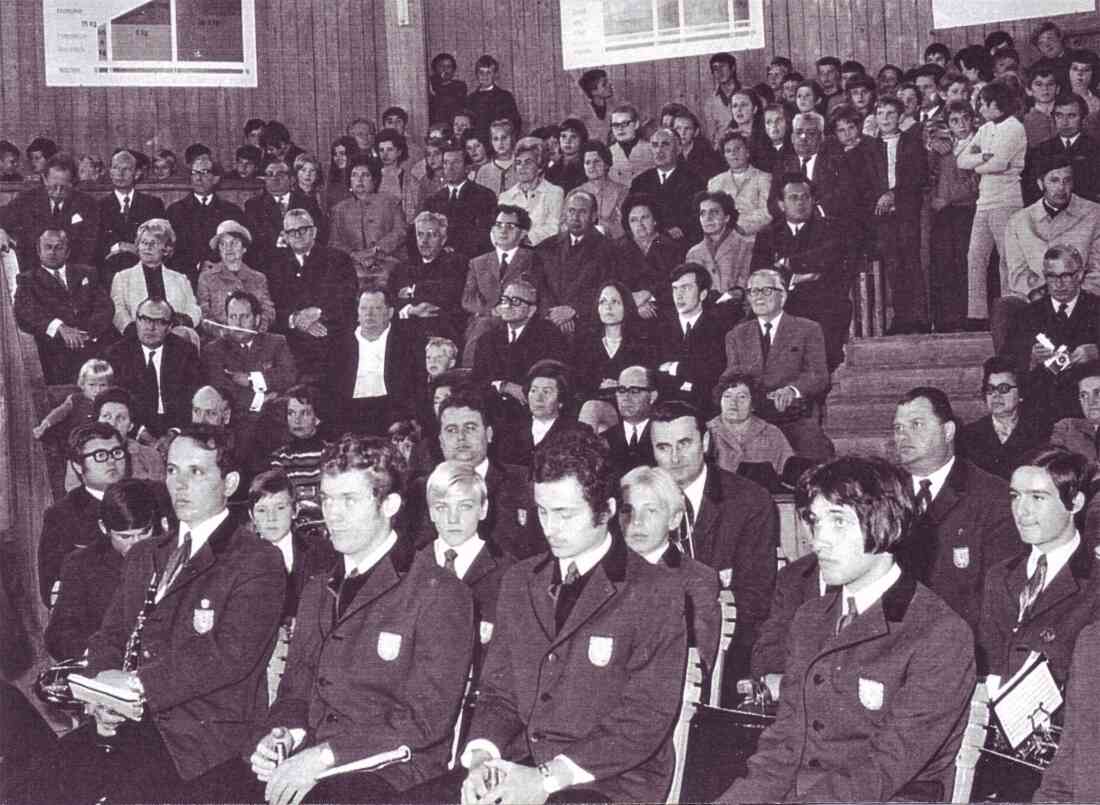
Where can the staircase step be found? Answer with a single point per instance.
(948, 349)
(955, 381)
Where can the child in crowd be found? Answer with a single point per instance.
(76, 409)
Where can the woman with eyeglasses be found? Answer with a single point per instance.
(612, 343)
(151, 278)
(130, 511)
(999, 440)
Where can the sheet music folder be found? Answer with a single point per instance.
(1027, 700)
(126, 701)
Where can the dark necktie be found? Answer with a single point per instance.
(204, 201)
(661, 178)
(284, 203)
(924, 497)
(1030, 594)
(126, 207)
(152, 382)
(1060, 313)
(348, 588)
(454, 195)
(805, 166)
(176, 561)
(633, 437)
(766, 341)
(687, 529)
(687, 331)
(503, 264)
(565, 596)
(846, 619)
(57, 275)
(449, 557)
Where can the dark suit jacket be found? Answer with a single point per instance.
(89, 578)
(704, 161)
(180, 377)
(39, 299)
(26, 214)
(623, 457)
(592, 365)
(268, 353)
(114, 227)
(468, 219)
(771, 159)
(573, 275)
(837, 187)
(1051, 397)
(327, 280)
(492, 104)
(401, 362)
(205, 700)
(264, 219)
(978, 443)
(911, 174)
(389, 671)
(967, 529)
(496, 359)
(702, 611)
(1085, 156)
(70, 523)
(650, 271)
(1069, 602)
(674, 198)
(311, 558)
(700, 356)
(796, 584)
(516, 444)
(194, 226)
(610, 695)
(796, 356)
(439, 283)
(484, 284)
(870, 711)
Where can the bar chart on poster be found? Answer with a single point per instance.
(603, 32)
(955, 14)
(150, 43)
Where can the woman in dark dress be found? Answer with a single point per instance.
(613, 343)
(648, 257)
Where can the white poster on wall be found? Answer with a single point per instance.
(597, 33)
(957, 13)
(150, 43)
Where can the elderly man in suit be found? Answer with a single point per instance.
(674, 185)
(204, 586)
(160, 369)
(373, 378)
(314, 289)
(195, 217)
(264, 214)
(829, 171)
(730, 524)
(381, 652)
(429, 281)
(628, 440)
(614, 625)
(57, 204)
(120, 214)
(786, 354)
(810, 250)
(467, 205)
(964, 524)
(900, 663)
(63, 306)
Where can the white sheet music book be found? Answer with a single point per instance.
(1027, 700)
(399, 755)
(125, 701)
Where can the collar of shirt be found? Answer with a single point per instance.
(365, 564)
(1070, 305)
(655, 556)
(774, 322)
(155, 352)
(286, 548)
(866, 597)
(95, 493)
(1004, 429)
(467, 553)
(630, 428)
(510, 254)
(575, 240)
(377, 344)
(692, 320)
(540, 427)
(1056, 558)
(664, 174)
(283, 198)
(482, 469)
(518, 331)
(694, 491)
(795, 227)
(200, 532)
(59, 271)
(122, 197)
(1069, 141)
(586, 560)
(204, 200)
(1051, 210)
(937, 478)
(301, 258)
(456, 188)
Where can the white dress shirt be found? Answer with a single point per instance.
(370, 373)
(466, 553)
(938, 478)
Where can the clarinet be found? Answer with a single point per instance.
(132, 656)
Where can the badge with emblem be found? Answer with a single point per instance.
(486, 632)
(521, 516)
(726, 576)
(599, 650)
(203, 618)
(389, 646)
(1047, 635)
(871, 693)
(961, 556)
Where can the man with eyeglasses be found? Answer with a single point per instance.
(1081, 434)
(314, 288)
(1068, 317)
(628, 440)
(630, 156)
(195, 217)
(264, 214)
(98, 455)
(786, 354)
(159, 368)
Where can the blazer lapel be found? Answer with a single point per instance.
(708, 513)
(1067, 582)
(381, 579)
(483, 565)
(539, 591)
(597, 592)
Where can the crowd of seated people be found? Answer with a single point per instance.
(451, 442)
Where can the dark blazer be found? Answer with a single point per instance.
(484, 284)
(70, 523)
(89, 578)
(1085, 156)
(1070, 601)
(439, 283)
(573, 275)
(1051, 397)
(401, 361)
(114, 227)
(623, 457)
(566, 176)
(604, 690)
(492, 104)
(796, 584)
(674, 198)
(978, 443)
(496, 359)
(967, 529)
(702, 612)
(796, 356)
(837, 186)
(268, 353)
(592, 365)
(911, 174)
(771, 159)
(312, 557)
(650, 271)
(264, 219)
(389, 671)
(871, 712)
(701, 357)
(194, 226)
(204, 700)
(516, 444)
(469, 219)
(704, 161)
(39, 299)
(327, 280)
(26, 214)
(180, 377)
(1072, 776)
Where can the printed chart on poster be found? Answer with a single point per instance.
(150, 43)
(597, 33)
(955, 14)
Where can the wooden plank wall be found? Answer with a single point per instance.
(321, 63)
(873, 31)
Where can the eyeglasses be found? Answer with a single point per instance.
(765, 292)
(1000, 388)
(275, 174)
(1066, 277)
(632, 391)
(514, 301)
(202, 172)
(507, 226)
(622, 124)
(154, 322)
(300, 232)
(101, 456)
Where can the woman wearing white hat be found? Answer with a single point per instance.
(218, 281)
